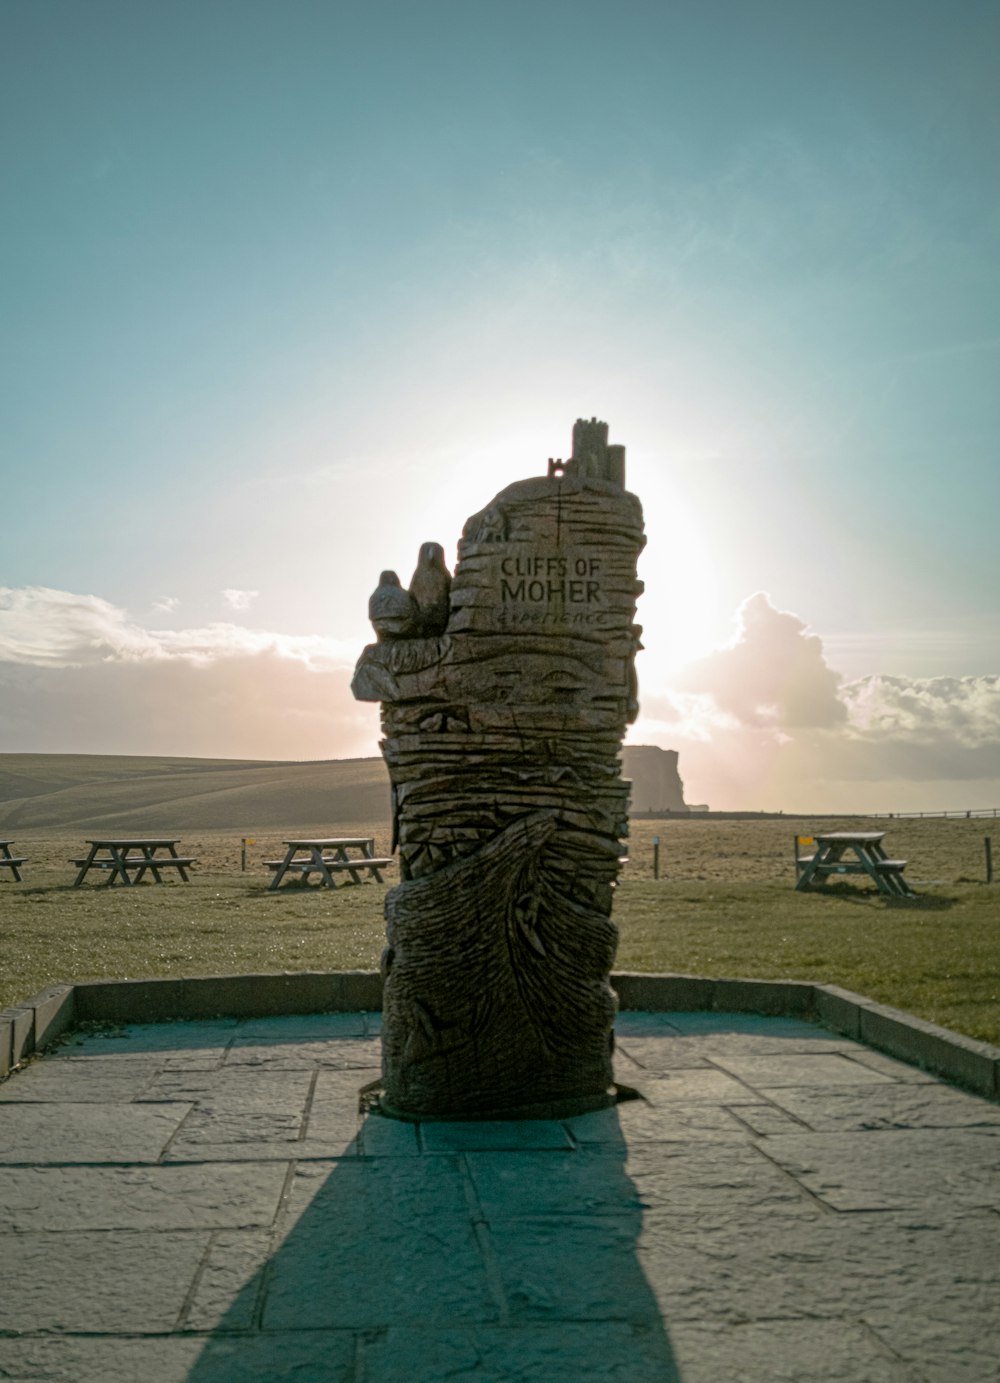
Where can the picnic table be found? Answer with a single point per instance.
(329, 857)
(9, 861)
(866, 857)
(128, 858)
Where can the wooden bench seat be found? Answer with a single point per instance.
(137, 865)
(359, 864)
(140, 862)
(13, 863)
(309, 866)
(852, 866)
(328, 868)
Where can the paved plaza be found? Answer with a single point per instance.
(203, 1202)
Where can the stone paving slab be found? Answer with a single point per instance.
(206, 1202)
(563, 1352)
(338, 1053)
(334, 1105)
(709, 1084)
(896, 1169)
(101, 1080)
(309, 1027)
(652, 1053)
(657, 1120)
(233, 1090)
(171, 1041)
(788, 1351)
(90, 1132)
(957, 1351)
(507, 1136)
(321, 1355)
(99, 1283)
(743, 1268)
(139, 1198)
(906, 1104)
(795, 1069)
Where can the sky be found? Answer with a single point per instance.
(292, 286)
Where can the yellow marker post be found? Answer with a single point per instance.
(801, 841)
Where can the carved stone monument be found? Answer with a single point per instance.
(505, 693)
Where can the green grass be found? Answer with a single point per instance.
(226, 924)
(937, 956)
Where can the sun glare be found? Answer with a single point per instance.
(679, 609)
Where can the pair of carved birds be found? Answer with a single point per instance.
(420, 612)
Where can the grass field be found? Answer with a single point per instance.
(724, 905)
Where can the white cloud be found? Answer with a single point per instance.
(76, 674)
(765, 722)
(41, 627)
(963, 710)
(168, 604)
(239, 600)
(49, 628)
(772, 674)
(245, 706)
(762, 723)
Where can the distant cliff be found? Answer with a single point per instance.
(656, 784)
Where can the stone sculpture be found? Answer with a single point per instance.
(503, 716)
(431, 590)
(392, 611)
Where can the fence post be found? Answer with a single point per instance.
(656, 857)
(243, 855)
(989, 858)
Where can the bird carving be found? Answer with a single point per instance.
(431, 590)
(392, 611)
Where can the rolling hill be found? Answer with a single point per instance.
(158, 794)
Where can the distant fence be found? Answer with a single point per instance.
(686, 815)
(970, 815)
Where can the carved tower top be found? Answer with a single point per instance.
(592, 458)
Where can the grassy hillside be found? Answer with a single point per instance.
(41, 792)
(937, 956)
(725, 902)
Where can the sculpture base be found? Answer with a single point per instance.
(548, 1109)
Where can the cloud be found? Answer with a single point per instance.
(76, 674)
(920, 729)
(41, 627)
(245, 706)
(960, 710)
(772, 674)
(766, 723)
(239, 600)
(49, 628)
(168, 604)
(761, 723)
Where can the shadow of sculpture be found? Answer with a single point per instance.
(514, 1263)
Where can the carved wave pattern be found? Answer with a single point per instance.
(522, 970)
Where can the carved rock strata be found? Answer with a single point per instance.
(502, 737)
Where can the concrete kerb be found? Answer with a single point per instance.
(38, 1022)
(35, 1024)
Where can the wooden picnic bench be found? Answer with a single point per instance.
(129, 858)
(866, 857)
(11, 862)
(328, 856)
